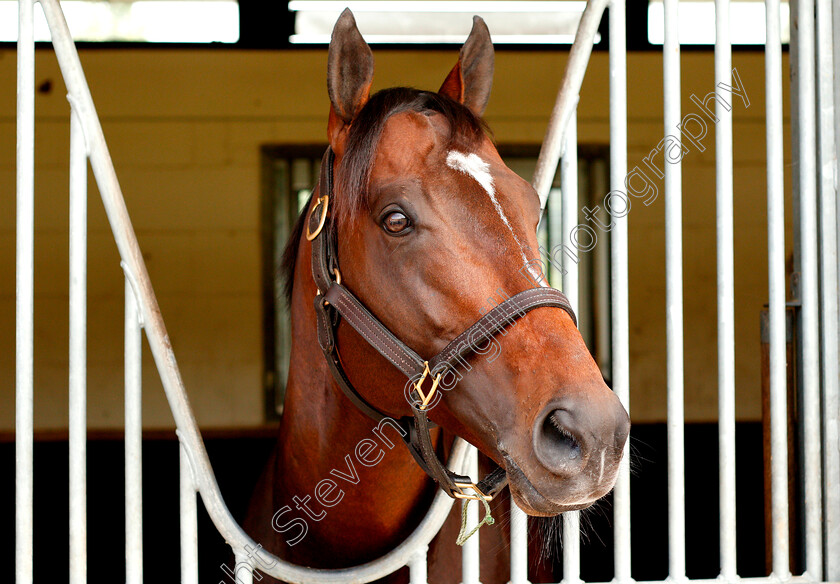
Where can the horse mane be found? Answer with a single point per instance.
(352, 176)
(287, 264)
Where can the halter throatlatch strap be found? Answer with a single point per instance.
(334, 300)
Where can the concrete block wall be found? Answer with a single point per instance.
(185, 128)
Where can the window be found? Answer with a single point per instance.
(289, 175)
(150, 21)
(441, 21)
(697, 22)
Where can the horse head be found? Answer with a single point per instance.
(432, 230)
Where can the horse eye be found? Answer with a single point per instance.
(395, 222)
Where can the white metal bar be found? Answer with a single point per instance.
(556, 237)
(567, 98)
(674, 301)
(418, 567)
(836, 35)
(725, 296)
(836, 43)
(243, 568)
(571, 548)
(619, 278)
(828, 287)
(77, 436)
(833, 566)
(133, 440)
(569, 211)
(24, 292)
(518, 545)
(470, 550)
(189, 520)
(571, 288)
(810, 289)
(776, 310)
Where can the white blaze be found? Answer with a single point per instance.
(472, 165)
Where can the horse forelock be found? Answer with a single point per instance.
(353, 173)
(352, 176)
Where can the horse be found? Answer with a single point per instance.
(417, 235)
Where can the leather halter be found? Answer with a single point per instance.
(335, 301)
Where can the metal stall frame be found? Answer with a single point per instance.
(143, 313)
(815, 147)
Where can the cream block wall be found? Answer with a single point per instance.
(185, 130)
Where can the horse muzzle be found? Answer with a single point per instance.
(577, 443)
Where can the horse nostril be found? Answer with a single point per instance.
(557, 439)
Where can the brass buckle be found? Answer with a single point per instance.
(323, 202)
(337, 281)
(478, 496)
(427, 397)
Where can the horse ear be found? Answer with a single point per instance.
(470, 80)
(349, 77)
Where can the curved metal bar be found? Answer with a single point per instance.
(164, 356)
(567, 99)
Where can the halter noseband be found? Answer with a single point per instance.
(334, 301)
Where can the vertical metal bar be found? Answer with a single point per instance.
(24, 292)
(836, 38)
(810, 291)
(470, 549)
(77, 365)
(725, 298)
(518, 545)
(776, 310)
(555, 238)
(828, 287)
(569, 210)
(619, 283)
(674, 301)
(588, 267)
(571, 288)
(571, 547)
(133, 440)
(418, 566)
(243, 569)
(189, 522)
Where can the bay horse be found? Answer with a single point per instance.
(436, 240)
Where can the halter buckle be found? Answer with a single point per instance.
(322, 202)
(426, 397)
(477, 496)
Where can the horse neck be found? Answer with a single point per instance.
(324, 436)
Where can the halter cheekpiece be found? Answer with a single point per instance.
(334, 301)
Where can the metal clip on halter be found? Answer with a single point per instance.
(426, 398)
(476, 496)
(324, 203)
